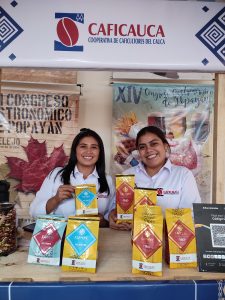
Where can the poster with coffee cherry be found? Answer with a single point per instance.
(184, 112)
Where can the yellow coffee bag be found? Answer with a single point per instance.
(86, 199)
(147, 240)
(124, 197)
(81, 244)
(144, 196)
(180, 239)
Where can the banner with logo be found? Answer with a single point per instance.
(182, 111)
(154, 35)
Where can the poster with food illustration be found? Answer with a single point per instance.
(184, 112)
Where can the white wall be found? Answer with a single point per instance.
(96, 106)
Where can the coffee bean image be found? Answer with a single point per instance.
(67, 32)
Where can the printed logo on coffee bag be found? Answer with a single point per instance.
(181, 235)
(147, 242)
(81, 239)
(47, 238)
(125, 196)
(146, 201)
(86, 197)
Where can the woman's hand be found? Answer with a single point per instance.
(103, 222)
(64, 192)
(114, 225)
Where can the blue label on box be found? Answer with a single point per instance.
(81, 239)
(86, 197)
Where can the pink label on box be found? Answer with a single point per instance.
(47, 238)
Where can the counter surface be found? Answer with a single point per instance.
(114, 264)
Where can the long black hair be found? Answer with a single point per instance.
(155, 130)
(100, 164)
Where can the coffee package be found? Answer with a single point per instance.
(124, 197)
(147, 240)
(180, 249)
(144, 197)
(81, 244)
(45, 245)
(86, 199)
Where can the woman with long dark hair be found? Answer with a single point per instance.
(86, 165)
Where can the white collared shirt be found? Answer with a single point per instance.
(67, 207)
(178, 185)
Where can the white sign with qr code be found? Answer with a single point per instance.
(218, 235)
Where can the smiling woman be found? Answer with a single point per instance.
(87, 153)
(86, 165)
(176, 183)
(153, 149)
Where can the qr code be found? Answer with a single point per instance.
(218, 235)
